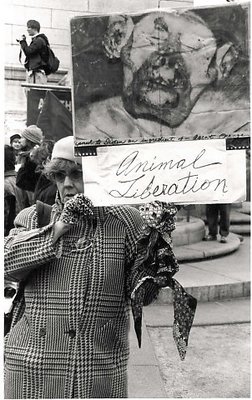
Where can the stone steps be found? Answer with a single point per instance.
(207, 293)
(240, 229)
(205, 250)
(240, 220)
(223, 276)
(237, 217)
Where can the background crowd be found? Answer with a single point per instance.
(24, 181)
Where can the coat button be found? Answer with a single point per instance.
(42, 332)
(72, 333)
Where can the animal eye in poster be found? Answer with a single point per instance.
(161, 75)
(191, 172)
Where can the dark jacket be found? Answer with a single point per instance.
(36, 53)
(26, 177)
(15, 200)
(45, 190)
(30, 178)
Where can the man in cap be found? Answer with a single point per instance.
(15, 141)
(31, 136)
(80, 271)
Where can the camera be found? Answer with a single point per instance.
(23, 37)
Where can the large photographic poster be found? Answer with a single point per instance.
(161, 75)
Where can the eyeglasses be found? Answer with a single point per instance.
(60, 176)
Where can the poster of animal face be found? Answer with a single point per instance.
(161, 76)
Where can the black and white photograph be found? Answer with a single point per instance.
(176, 73)
(127, 192)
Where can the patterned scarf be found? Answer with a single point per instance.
(157, 264)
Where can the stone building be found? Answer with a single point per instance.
(54, 17)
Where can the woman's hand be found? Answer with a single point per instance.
(59, 229)
(74, 209)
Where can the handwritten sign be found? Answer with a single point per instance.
(188, 172)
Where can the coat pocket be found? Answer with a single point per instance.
(105, 336)
(18, 337)
(110, 337)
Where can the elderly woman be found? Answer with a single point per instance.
(69, 333)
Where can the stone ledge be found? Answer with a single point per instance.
(209, 293)
(17, 73)
(188, 232)
(229, 311)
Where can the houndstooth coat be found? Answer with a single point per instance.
(71, 338)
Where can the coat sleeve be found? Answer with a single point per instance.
(28, 247)
(34, 48)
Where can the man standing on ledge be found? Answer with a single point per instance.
(36, 53)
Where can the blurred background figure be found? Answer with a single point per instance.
(44, 189)
(218, 214)
(15, 199)
(15, 142)
(37, 151)
(30, 137)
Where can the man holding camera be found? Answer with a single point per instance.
(36, 53)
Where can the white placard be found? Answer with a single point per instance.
(186, 172)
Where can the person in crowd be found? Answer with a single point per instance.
(15, 199)
(44, 189)
(218, 214)
(36, 53)
(15, 142)
(69, 333)
(31, 137)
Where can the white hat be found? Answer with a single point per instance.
(64, 148)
